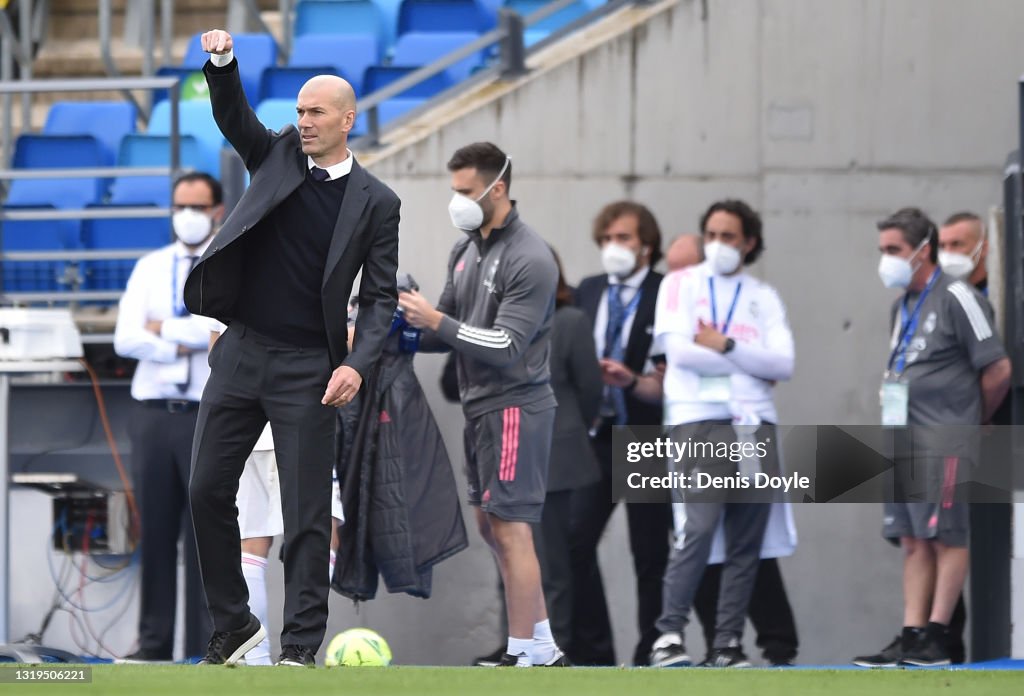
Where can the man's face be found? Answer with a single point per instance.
(472, 185)
(891, 242)
(726, 228)
(624, 231)
(961, 237)
(324, 123)
(197, 196)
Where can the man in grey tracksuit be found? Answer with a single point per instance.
(496, 312)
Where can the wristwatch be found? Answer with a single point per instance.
(729, 345)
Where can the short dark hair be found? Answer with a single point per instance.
(647, 224)
(916, 228)
(216, 190)
(751, 221)
(962, 216)
(486, 158)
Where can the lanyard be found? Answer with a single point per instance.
(177, 295)
(909, 326)
(714, 308)
(627, 312)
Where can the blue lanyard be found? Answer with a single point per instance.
(177, 296)
(909, 326)
(627, 312)
(714, 308)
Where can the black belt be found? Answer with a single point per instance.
(172, 405)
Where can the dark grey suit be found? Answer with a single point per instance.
(255, 378)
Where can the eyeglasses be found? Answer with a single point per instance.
(198, 208)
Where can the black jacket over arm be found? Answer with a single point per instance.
(365, 235)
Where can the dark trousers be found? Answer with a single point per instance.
(769, 610)
(551, 538)
(255, 379)
(649, 527)
(161, 452)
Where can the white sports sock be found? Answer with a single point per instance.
(521, 648)
(543, 648)
(254, 570)
(330, 571)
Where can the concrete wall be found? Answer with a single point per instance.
(825, 116)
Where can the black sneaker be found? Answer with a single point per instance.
(668, 651)
(228, 647)
(929, 650)
(489, 660)
(889, 656)
(727, 657)
(508, 660)
(297, 656)
(142, 656)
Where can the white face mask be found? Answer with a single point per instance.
(191, 226)
(959, 265)
(465, 212)
(617, 260)
(897, 272)
(724, 259)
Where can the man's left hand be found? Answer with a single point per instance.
(343, 387)
(419, 313)
(709, 337)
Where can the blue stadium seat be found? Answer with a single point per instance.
(444, 15)
(379, 76)
(108, 122)
(32, 151)
(253, 51)
(184, 75)
(42, 235)
(285, 83)
(136, 233)
(275, 114)
(541, 29)
(349, 55)
(141, 190)
(145, 150)
(360, 17)
(421, 48)
(194, 118)
(60, 193)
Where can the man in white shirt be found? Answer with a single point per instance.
(170, 344)
(726, 343)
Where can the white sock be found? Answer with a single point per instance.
(254, 570)
(543, 648)
(330, 571)
(521, 647)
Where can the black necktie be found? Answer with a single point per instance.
(319, 174)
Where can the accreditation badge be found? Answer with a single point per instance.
(715, 389)
(895, 399)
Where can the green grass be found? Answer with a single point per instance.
(137, 680)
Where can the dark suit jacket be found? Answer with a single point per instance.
(365, 235)
(588, 297)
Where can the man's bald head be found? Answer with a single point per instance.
(686, 250)
(326, 108)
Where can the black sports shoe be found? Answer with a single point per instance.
(889, 656)
(727, 657)
(143, 656)
(297, 656)
(668, 651)
(228, 647)
(508, 661)
(489, 660)
(929, 650)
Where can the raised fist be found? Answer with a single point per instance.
(217, 41)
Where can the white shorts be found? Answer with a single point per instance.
(336, 511)
(259, 497)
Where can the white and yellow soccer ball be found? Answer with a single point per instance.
(358, 647)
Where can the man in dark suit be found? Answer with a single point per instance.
(620, 304)
(279, 273)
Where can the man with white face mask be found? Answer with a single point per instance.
(963, 250)
(946, 367)
(171, 346)
(620, 305)
(496, 313)
(726, 342)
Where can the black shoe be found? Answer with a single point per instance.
(727, 657)
(490, 659)
(668, 651)
(929, 650)
(228, 647)
(143, 656)
(297, 656)
(557, 660)
(889, 656)
(508, 661)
